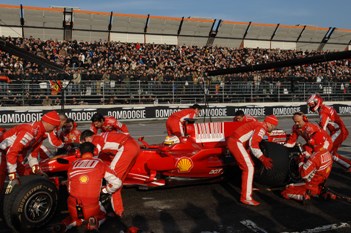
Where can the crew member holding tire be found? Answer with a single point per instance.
(85, 176)
(120, 151)
(248, 136)
(101, 123)
(331, 121)
(23, 142)
(306, 129)
(175, 122)
(314, 170)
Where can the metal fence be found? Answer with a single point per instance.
(177, 92)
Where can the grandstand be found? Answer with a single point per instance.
(81, 25)
(114, 58)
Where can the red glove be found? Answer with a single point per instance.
(13, 181)
(267, 162)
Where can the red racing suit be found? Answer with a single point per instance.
(85, 177)
(54, 140)
(110, 124)
(19, 143)
(71, 137)
(120, 151)
(329, 119)
(247, 136)
(175, 122)
(247, 118)
(306, 132)
(314, 170)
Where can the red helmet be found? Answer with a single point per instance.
(317, 141)
(314, 102)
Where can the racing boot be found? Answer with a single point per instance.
(306, 197)
(93, 225)
(57, 228)
(133, 229)
(249, 202)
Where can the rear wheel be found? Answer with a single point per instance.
(31, 204)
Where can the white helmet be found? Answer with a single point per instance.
(170, 140)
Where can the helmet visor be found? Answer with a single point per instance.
(311, 104)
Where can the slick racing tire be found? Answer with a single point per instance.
(284, 168)
(31, 204)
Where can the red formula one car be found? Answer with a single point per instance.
(201, 156)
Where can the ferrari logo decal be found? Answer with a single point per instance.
(184, 164)
(84, 179)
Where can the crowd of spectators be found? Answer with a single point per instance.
(90, 65)
(163, 63)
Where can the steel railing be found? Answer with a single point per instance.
(180, 92)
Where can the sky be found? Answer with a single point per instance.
(320, 13)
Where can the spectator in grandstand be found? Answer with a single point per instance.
(314, 171)
(107, 124)
(331, 121)
(47, 101)
(241, 117)
(23, 142)
(76, 79)
(248, 136)
(85, 176)
(36, 100)
(179, 60)
(120, 151)
(74, 101)
(176, 122)
(57, 101)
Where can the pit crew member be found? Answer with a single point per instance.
(70, 135)
(241, 117)
(54, 140)
(23, 142)
(306, 129)
(175, 122)
(314, 170)
(106, 124)
(120, 151)
(331, 121)
(248, 136)
(85, 176)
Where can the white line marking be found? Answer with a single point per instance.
(252, 226)
(325, 228)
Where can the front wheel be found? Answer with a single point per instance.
(284, 169)
(31, 204)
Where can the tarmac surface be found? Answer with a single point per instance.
(215, 208)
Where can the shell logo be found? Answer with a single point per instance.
(84, 179)
(328, 170)
(184, 164)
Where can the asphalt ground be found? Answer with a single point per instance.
(215, 208)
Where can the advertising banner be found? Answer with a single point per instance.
(160, 112)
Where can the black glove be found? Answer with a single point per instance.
(13, 181)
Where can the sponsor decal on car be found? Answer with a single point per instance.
(184, 164)
(216, 171)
